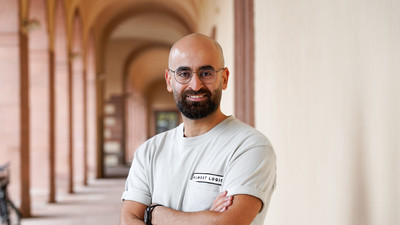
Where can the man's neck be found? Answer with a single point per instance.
(201, 126)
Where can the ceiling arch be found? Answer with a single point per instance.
(146, 65)
(179, 17)
(153, 21)
(100, 14)
(152, 26)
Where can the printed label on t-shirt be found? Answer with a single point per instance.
(208, 178)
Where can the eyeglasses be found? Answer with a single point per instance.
(184, 75)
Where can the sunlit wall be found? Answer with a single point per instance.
(327, 95)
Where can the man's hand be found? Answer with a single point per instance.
(222, 202)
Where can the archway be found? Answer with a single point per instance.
(124, 37)
(140, 76)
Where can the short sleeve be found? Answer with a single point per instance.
(252, 171)
(137, 184)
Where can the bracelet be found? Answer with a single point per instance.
(147, 213)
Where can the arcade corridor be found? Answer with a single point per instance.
(82, 86)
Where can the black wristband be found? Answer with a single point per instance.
(147, 213)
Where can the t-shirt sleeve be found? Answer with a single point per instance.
(252, 171)
(137, 184)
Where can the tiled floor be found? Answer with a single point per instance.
(98, 204)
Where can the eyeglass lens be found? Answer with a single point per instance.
(206, 75)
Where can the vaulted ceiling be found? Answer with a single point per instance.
(133, 30)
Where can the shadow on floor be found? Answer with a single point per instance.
(98, 203)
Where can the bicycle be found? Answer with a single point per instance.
(9, 214)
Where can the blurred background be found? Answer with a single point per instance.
(82, 86)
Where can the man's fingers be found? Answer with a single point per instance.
(222, 194)
(219, 200)
(222, 202)
(220, 207)
(225, 205)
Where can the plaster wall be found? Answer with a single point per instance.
(327, 96)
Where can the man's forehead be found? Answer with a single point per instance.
(193, 60)
(197, 51)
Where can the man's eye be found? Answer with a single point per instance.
(184, 74)
(206, 73)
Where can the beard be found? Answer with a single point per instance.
(198, 110)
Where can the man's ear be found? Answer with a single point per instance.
(225, 77)
(168, 80)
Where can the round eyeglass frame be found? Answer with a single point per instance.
(192, 72)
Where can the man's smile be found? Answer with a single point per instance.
(199, 97)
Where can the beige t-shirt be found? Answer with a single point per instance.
(187, 174)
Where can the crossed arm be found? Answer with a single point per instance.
(238, 209)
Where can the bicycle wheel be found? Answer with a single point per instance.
(3, 210)
(12, 216)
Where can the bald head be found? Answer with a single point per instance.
(194, 48)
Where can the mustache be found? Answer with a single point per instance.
(200, 91)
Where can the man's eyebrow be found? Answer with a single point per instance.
(183, 68)
(206, 67)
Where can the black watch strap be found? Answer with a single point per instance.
(147, 213)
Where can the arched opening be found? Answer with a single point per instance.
(145, 94)
(133, 62)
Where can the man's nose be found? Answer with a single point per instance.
(195, 83)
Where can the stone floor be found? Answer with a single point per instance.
(98, 204)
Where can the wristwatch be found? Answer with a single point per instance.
(147, 213)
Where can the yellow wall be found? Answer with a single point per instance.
(327, 95)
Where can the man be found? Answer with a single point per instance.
(212, 169)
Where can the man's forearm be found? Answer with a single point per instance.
(132, 213)
(168, 216)
(242, 211)
(131, 221)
